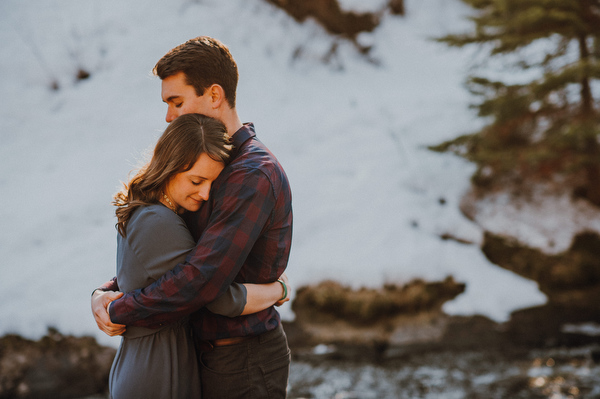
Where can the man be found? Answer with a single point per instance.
(244, 234)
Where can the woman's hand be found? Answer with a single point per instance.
(100, 302)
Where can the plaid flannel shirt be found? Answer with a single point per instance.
(244, 234)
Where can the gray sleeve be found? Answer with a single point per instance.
(161, 241)
(231, 303)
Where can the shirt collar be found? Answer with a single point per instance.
(245, 133)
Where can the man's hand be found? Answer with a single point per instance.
(100, 302)
(284, 278)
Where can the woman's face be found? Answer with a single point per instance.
(187, 190)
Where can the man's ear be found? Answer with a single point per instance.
(216, 95)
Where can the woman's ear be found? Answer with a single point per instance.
(216, 95)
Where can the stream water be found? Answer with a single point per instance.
(557, 373)
(541, 373)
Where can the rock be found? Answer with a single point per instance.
(56, 366)
(365, 306)
(329, 14)
(569, 277)
(368, 323)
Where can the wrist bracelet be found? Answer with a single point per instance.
(285, 293)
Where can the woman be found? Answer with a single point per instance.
(153, 238)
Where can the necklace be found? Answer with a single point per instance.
(171, 206)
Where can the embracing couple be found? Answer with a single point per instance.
(204, 235)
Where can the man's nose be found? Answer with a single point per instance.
(170, 115)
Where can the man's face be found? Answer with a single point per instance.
(181, 98)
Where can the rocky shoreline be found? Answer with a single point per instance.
(550, 351)
(541, 328)
(56, 366)
(396, 338)
(392, 345)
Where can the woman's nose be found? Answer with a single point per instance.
(204, 192)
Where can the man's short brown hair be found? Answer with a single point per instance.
(204, 61)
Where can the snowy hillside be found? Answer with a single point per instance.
(370, 200)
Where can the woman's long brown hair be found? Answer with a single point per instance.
(176, 151)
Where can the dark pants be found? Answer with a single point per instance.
(256, 368)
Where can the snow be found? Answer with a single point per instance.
(370, 201)
(591, 329)
(548, 222)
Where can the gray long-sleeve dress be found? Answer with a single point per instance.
(159, 363)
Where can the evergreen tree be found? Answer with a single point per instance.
(549, 125)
